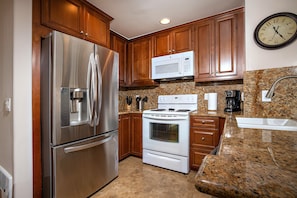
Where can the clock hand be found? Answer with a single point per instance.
(276, 31)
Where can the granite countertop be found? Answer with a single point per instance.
(250, 163)
(131, 111)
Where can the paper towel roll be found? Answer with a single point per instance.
(212, 101)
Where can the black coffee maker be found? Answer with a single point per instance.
(232, 100)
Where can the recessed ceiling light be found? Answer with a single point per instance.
(165, 21)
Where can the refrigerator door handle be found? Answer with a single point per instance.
(91, 91)
(87, 146)
(99, 89)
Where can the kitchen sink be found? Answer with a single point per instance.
(267, 123)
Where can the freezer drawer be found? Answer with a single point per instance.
(80, 169)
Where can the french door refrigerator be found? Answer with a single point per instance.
(79, 116)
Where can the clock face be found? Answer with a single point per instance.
(276, 31)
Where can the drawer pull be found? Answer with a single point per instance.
(203, 138)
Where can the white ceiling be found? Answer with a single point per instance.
(134, 18)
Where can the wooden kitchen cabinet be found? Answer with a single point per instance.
(173, 41)
(136, 134)
(96, 27)
(139, 63)
(219, 47)
(204, 137)
(130, 135)
(77, 18)
(119, 44)
(124, 137)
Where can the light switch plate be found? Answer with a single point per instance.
(7, 103)
(264, 99)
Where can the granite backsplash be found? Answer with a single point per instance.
(283, 104)
(181, 87)
(284, 101)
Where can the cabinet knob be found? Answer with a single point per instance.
(203, 138)
(173, 50)
(203, 122)
(86, 34)
(81, 32)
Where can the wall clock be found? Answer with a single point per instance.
(276, 31)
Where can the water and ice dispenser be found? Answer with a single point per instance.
(74, 106)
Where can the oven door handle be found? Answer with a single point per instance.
(165, 118)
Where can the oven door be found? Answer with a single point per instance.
(166, 134)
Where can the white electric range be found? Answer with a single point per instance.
(166, 132)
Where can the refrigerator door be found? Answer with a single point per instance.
(73, 61)
(80, 169)
(108, 64)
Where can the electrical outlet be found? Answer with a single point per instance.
(264, 99)
(5, 183)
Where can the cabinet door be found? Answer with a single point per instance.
(63, 15)
(119, 45)
(204, 53)
(124, 136)
(174, 41)
(139, 63)
(96, 28)
(219, 47)
(182, 39)
(225, 45)
(136, 132)
(196, 157)
(229, 45)
(162, 44)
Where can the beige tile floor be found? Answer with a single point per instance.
(138, 180)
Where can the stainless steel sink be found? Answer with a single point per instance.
(267, 123)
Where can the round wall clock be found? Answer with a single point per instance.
(276, 31)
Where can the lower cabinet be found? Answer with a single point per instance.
(130, 135)
(124, 136)
(204, 137)
(136, 134)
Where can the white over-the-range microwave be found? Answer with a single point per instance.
(174, 66)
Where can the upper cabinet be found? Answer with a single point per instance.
(139, 63)
(77, 18)
(173, 41)
(119, 44)
(219, 47)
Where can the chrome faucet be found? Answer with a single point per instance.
(270, 92)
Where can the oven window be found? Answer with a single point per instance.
(164, 132)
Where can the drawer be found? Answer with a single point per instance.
(204, 122)
(203, 138)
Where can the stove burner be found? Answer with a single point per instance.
(183, 110)
(158, 110)
(171, 109)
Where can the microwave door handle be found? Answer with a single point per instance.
(86, 146)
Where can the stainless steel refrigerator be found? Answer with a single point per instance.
(79, 116)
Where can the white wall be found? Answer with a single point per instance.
(6, 68)
(22, 99)
(256, 57)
